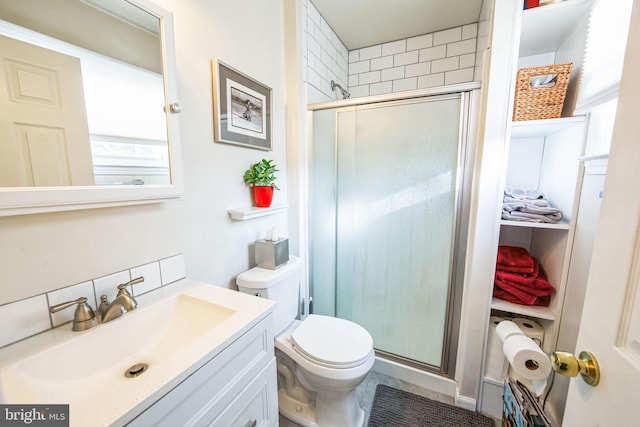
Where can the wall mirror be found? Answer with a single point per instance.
(87, 105)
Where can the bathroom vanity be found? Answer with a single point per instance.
(235, 388)
(192, 353)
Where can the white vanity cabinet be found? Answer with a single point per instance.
(236, 388)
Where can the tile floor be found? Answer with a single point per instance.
(367, 390)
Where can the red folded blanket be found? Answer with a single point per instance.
(516, 260)
(519, 289)
(518, 278)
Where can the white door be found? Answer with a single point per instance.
(610, 326)
(43, 121)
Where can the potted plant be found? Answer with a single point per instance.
(261, 177)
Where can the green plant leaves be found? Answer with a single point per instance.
(261, 173)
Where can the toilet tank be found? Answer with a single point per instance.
(281, 285)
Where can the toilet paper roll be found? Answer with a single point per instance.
(531, 328)
(507, 329)
(528, 361)
(526, 358)
(496, 365)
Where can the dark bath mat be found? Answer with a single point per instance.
(397, 408)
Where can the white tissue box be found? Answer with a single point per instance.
(271, 254)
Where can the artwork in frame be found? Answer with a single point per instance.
(242, 108)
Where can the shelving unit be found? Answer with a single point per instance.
(544, 156)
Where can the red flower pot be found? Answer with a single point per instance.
(262, 196)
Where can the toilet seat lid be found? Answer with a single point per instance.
(332, 342)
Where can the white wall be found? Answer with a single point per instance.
(49, 251)
(249, 37)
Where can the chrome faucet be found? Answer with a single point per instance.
(123, 302)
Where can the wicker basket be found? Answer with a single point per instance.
(545, 101)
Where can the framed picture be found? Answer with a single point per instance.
(241, 108)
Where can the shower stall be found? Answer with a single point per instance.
(389, 189)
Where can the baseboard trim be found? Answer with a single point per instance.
(465, 402)
(417, 377)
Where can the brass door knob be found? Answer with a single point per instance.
(585, 364)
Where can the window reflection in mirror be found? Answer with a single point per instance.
(122, 136)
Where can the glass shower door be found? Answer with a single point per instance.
(396, 195)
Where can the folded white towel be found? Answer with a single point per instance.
(528, 205)
(532, 217)
(518, 193)
(540, 203)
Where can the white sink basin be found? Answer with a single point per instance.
(149, 336)
(173, 336)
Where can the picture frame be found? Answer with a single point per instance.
(241, 108)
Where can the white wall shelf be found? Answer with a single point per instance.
(545, 28)
(243, 214)
(557, 226)
(525, 310)
(543, 128)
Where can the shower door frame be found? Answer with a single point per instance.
(469, 95)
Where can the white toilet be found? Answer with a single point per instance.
(321, 360)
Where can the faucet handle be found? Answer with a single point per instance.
(83, 318)
(58, 307)
(123, 286)
(127, 301)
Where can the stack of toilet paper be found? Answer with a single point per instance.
(496, 364)
(520, 346)
(530, 328)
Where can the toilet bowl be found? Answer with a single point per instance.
(331, 358)
(321, 359)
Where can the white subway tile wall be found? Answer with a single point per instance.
(435, 59)
(172, 269)
(152, 280)
(24, 318)
(482, 42)
(325, 55)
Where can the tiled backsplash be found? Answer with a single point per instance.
(24, 318)
(436, 59)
